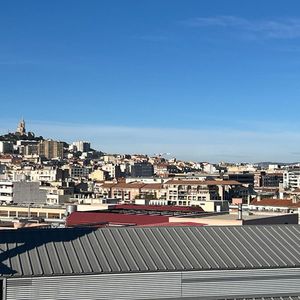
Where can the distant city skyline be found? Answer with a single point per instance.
(203, 80)
(207, 144)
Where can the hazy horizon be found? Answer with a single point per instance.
(206, 144)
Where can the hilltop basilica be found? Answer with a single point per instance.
(21, 130)
(20, 134)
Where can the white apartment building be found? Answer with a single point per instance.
(58, 195)
(197, 192)
(82, 146)
(188, 193)
(46, 174)
(21, 192)
(110, 159)
(291, 179)
(209, 168)
(110, 168)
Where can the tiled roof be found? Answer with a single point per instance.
(152, 186)
(74, 251)
(273, 202)
(295, 205)
(131, 185)
(159, 208)
(205, 182)
(107, 185)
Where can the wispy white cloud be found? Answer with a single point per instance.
(195, 144)
(223, 21)
(287, 28)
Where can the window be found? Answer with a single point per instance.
(12, 213)
(23, 214)
(53, 216)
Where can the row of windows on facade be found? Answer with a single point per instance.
(25, 214)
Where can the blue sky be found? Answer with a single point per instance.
(204, 80)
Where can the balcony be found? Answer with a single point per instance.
(6, 198)
(6, 189)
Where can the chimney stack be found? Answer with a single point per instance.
(240, 211)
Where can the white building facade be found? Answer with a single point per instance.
(291, 179)
(82, 146)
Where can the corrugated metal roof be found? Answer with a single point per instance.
(251, 298)
(266, 298)
(42, 252)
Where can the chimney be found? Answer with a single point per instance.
(240, 211)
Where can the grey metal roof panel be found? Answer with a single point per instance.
(44, 252)
(251, 298)
(239, 298)
(267, 298)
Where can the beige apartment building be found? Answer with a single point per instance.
(194, 192)
(153, 191)
(206, 194)
(127, 191)
(98, 175)
(51, 149)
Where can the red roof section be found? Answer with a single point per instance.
(99, 219)
(152, 186)
(130, 185)
(159, 208)
(273, 202)
(107, 185)
(205, 182)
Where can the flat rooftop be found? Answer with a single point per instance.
(232, 219)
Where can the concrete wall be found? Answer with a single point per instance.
(28, 192)
(161, 285)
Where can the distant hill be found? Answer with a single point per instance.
(266, 163)
(14, 137)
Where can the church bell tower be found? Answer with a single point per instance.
(21, 127)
